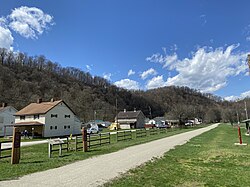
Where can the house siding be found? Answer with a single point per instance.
(59, 123)
(7, 118)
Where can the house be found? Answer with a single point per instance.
(48, 119)
(7, 119)
(131, 119)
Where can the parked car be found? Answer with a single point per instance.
(92, 130)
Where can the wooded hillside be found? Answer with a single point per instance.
(24, 79)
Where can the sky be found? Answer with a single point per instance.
(138, 44)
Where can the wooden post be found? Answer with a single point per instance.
(50, 149)
(84, 139)
(15, 156)
(60, 149)
(76, 144)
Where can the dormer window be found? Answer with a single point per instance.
(53, 115)
(22, 117)
(36, 116)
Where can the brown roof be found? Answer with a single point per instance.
(128, 114)
(35, 123)
(38, 108)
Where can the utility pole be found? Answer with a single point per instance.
(246, 109)
(116, 120)
(150, 113)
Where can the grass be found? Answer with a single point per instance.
(210, 159)
(35, 158)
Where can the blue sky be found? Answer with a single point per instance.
(138, 44)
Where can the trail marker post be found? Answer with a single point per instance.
(15, 156)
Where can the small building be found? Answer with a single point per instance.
(48, 119)
(158, 122)
(7, 119)
(131, 119)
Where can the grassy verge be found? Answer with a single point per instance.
(35, 158)
(210, 159)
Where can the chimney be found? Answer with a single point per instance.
(124, 110)
(52, 100)
(39, 100)
(134, 109)
(4, 105)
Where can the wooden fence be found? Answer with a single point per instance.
(124, 135)
(5, 149)
(98, 139)
(153, 131)
(141, 133)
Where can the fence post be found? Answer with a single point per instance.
(76, 143)
(15, 156)
(50, 148)
(0, 148)
(67, 143)
(84, 139)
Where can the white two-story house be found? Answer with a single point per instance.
(7, 120)
(48, 119)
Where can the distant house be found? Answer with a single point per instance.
(48, 119)
(158, 122)
(131, 119)
(7, 119)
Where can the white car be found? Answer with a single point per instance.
(92, 130)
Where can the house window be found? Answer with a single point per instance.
(51, 127)
(55, 127)
(67, 116)
(53, 115)
(22, 117)
(65, 126)
(69, 127)
(36, 116)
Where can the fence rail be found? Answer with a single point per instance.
(5, 149)
(141, 133)
(98, 139)
(153, 131)
(124, 135)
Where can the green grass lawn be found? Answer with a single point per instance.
(35, 158)
(210, 159)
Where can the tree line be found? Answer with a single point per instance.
(24, 78)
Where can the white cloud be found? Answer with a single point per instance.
(147, 73)
(29, 22)
(207, 70)
(6, 39)
(107, 76)
(88, 67)
(156, 82)
(165, 60)
(131, 72)
(242, 96)
(203, 19)
(128, 84)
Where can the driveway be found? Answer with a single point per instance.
(100, 169)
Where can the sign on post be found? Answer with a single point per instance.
(15, 156)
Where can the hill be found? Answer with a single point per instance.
(24, 79)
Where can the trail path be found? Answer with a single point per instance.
(98, 170)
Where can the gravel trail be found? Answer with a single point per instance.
(100, 169)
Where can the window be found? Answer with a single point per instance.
(51, 127)
(1, 119)
(55, 127)
(53, 115)
(65, 126)
(36, 116)
(69, 127)
(67, 116)
(22, 117)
